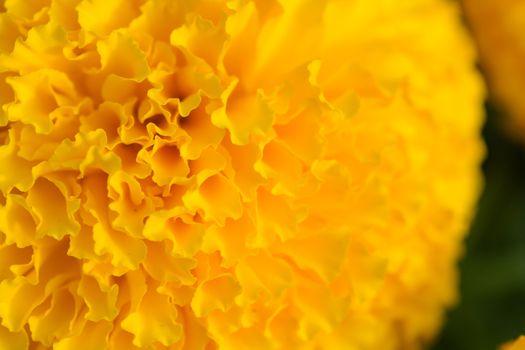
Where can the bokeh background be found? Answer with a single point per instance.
(492, 287)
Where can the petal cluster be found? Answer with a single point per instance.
(233, 174)
(502, 54)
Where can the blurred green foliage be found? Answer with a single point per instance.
(492, 306)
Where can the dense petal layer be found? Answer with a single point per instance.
(196, 174)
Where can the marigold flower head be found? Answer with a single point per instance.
(242, 174)
(502, 53)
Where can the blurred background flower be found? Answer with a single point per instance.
(518, 344)
(499, 30)
(492, 307)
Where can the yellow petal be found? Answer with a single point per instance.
(17, 171)
(13, 340)
(217, 198)
(98, 17)
(129, 202)
(53, 208)
(243, 115)
(93, 336)
(108, 117)
(166, 267)
(201, 131)
(38, 95)
(231, 240)
(321, 310)
(263, 274)
(117, 46)
(243, 159)
(6, 95)
(247, 339)
(167, 164)
(11, 255)
(201, 38)
(154, 320)
(217, 293)
(55, 322)
(125, 251)
(159, 18)
(99, 299)
(19, 298)
(9, 32)
(276, 219)
(323, 254)
(17, 222)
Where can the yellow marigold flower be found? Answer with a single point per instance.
(502, 51)
(241, 174)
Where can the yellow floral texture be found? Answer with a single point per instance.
(502, 50)
(244, 174)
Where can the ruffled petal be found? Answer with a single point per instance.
(125, 251)
(92, 336)
(18, 223)
(98, 17)
(58, 219)
(117, 46)
(254, 174)
(154, 320)
(215, 294)
(217, 198)
(101, 300)
(13, 340)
